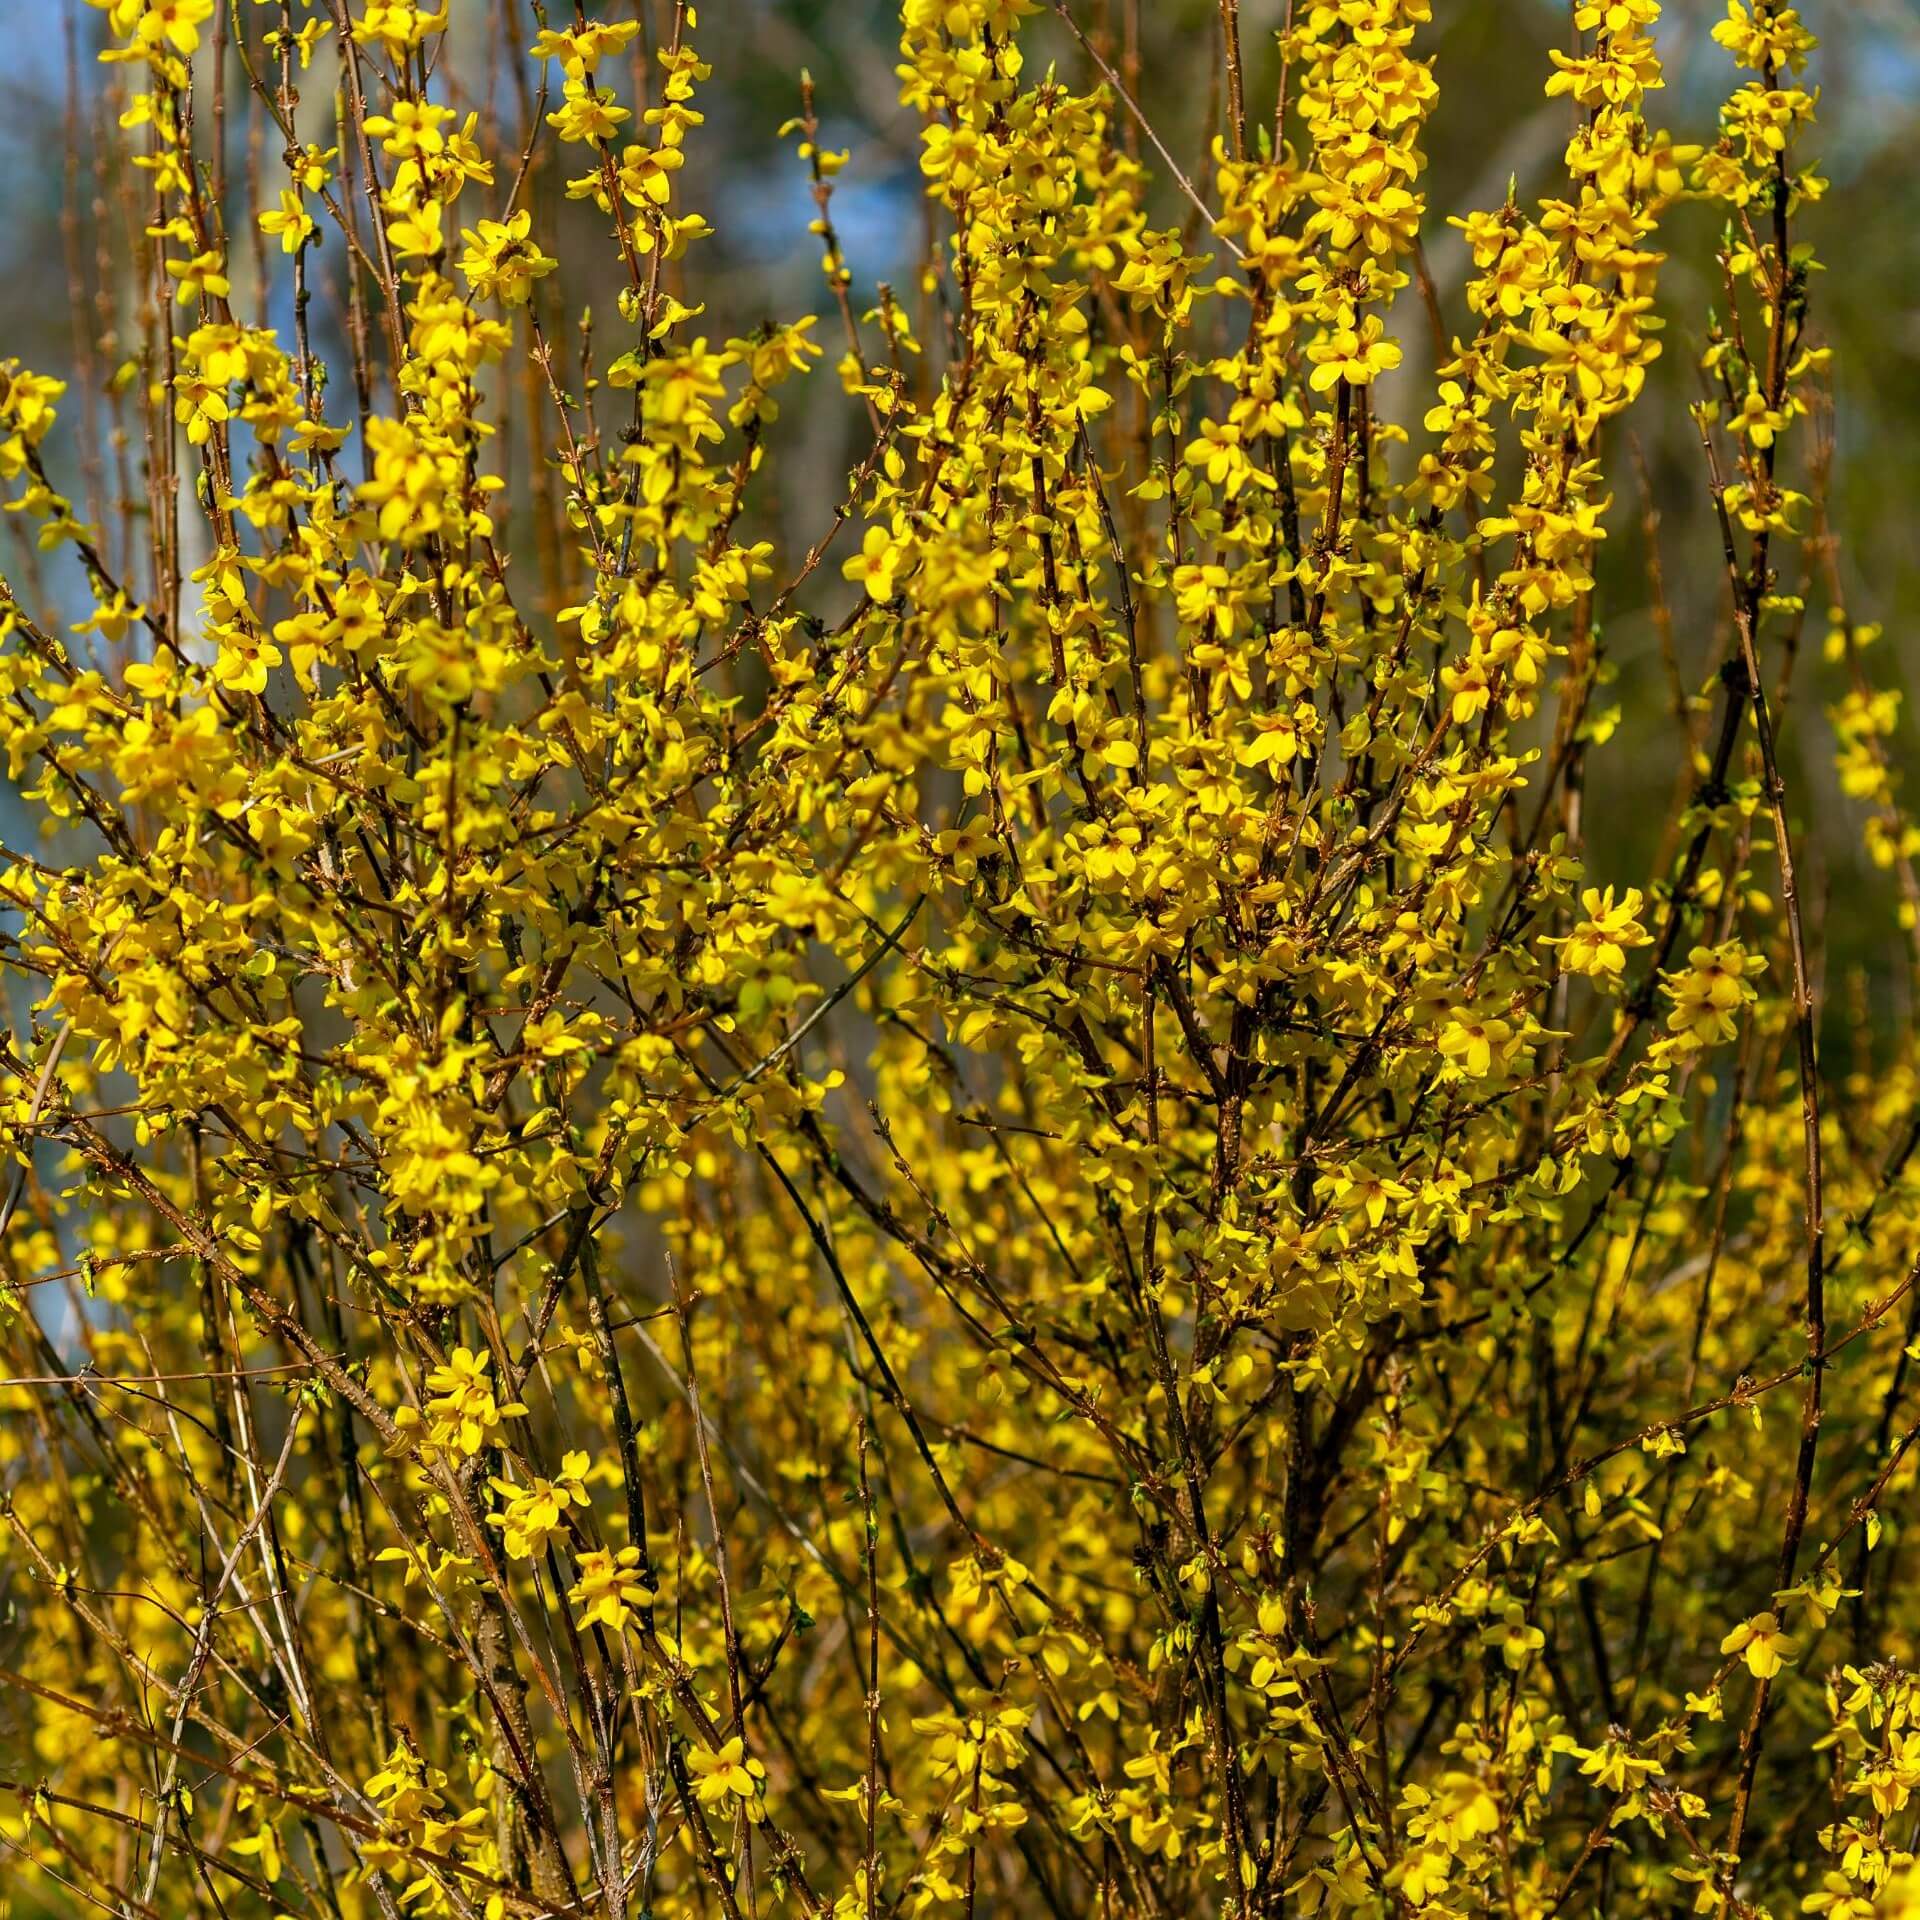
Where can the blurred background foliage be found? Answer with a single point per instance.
(64, 233)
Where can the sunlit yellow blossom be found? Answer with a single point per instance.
(609, 1589)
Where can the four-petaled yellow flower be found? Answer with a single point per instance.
(537, 1512)
(1710, 990)
(1765, 1644)
(174, 24)
(877, 565)
(727, 1772)
(1473, 1042)
(1353, 354)
(1598, 944)
(291, 222)
(462, 1415)
(501, 261)
(609, 1588)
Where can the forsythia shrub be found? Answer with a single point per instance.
(1011, 1216)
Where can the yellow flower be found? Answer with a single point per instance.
(396, 27)
(462, 1414)
(1597, 945)
(876, 565)
(1710, 990)
(537, 1512)
(245, 658)
(1352, 354)
(1473, 1042)
(204, 275)
(645, 175)
(502, 261)
(608, 1589)
(292, 223)
(1766, 1646)
(200, 405)
(176, 22)
(726, 1772)
(300, 42)
(581, 49)
(587, 113)
(1756, 421)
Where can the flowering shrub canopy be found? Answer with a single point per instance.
(1013, 1215)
